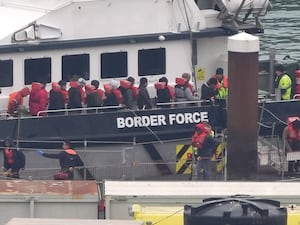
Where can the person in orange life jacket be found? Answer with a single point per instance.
(56, 99)
(68, 160)
(165, 93)
(187, 77)
(16, 101)
(76, 96)
(113, 94)
(129, 93)
(38, 98)
(96, 83)
(182, 91)
(144, 101)
(93, 96)
(14, 159)
(222, 85)
(209, 91)
(206, 147)
(291, 140)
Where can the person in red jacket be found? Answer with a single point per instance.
(16, 101)
(38, 99)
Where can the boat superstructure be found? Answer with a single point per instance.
(114, 39)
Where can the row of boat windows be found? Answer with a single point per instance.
(112, 65)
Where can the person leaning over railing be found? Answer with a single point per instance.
(15, 101)
(209, 91)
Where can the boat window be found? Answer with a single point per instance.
(37, 70)
(114, 65)
(152, 61)
(75, 66)
(6, 73)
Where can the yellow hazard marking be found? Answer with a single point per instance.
(183, 165)
(200, 74)
(219, 156)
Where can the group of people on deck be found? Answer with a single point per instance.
(122, 93)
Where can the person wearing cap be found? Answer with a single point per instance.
(206, 146)
(14, 159)
(222, 85)
(291, 141)
(283, 82)
(68, 160)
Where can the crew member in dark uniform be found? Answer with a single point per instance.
(68, 160)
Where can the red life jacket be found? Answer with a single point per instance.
(171, 91)
(9, 155)
(135, 91)
(118, 95)
(199, 137)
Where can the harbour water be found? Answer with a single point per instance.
(282, 30)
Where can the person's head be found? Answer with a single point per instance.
(186, 76)
(62, 84)
(143, 82)
(279, 69)
(114, 84)
(212, 82)
(8, 141)
(81, 82)
(66, 144)
(95, 83)
(219, 73)
(131, 80)
(25, 91)
(163, 79)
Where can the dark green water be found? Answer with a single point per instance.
(282, 29)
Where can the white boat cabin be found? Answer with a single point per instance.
(114, 39)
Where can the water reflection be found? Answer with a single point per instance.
(282, 29)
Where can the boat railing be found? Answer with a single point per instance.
(183, 103)
(86, 109)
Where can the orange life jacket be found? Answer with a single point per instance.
(71, 151)
(223, 83)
